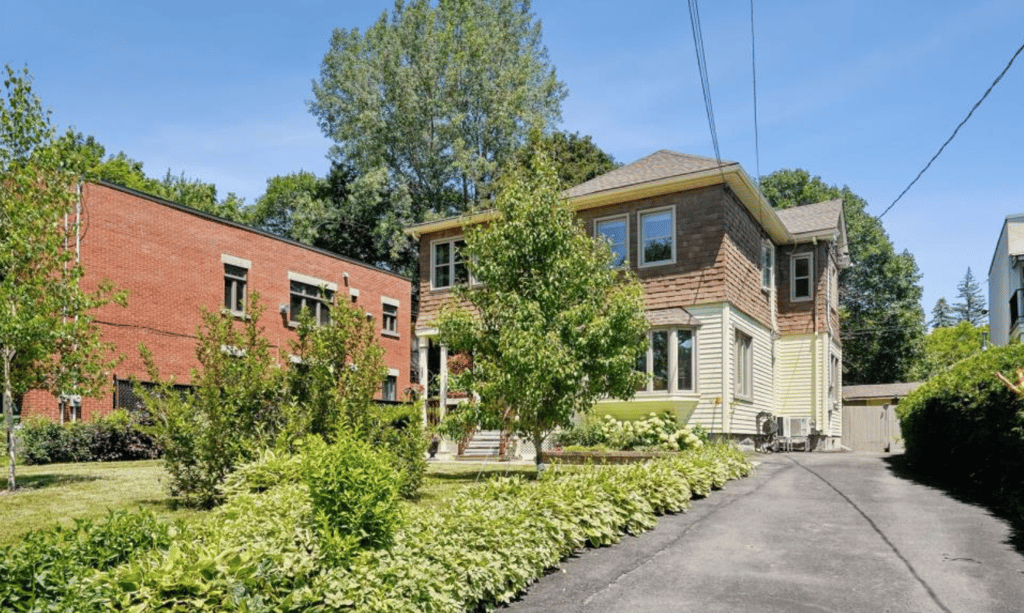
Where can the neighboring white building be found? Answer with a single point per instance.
(1006, 283)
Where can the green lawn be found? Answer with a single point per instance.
(58, 493)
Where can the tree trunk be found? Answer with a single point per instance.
(538, 444)
(9, 418)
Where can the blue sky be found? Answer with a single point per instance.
(860, 92)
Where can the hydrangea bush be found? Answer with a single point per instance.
(654, 432)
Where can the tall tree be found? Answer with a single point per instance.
(551, 326)
(434, 98)
(47, 337)
(971, 306)
(942, 314)
(576, 158)
(879, 294)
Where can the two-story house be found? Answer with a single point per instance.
(742, 300)
(1006, 283)
(175, 261)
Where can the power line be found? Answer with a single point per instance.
(698, 44)
(976, 105)
(753, 71)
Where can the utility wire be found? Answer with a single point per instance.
(976, 105)
(753, 71)
(698, 44)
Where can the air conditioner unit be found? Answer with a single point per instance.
(794, 426)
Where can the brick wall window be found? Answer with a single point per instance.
(615, 230)
(389, 389)
(234, 288)
(316, 299)
(389, 317)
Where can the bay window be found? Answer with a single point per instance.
(669, 361)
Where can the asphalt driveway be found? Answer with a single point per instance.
(805, 532)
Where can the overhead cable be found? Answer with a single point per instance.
(976, 105)
(698, 44)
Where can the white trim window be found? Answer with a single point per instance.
(615, 230)
(446, 264)
(767, 265)
(657, 237)
(801, 266)
(389, 387)
(389, 316)
(743, 366)
(668, 371)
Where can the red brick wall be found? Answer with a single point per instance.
(169, 260)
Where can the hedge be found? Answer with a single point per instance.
(965, 426)
(117, 436)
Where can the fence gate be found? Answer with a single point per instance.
(871, 428)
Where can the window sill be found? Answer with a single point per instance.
(236, 314)
(390, 334)
(656, 264)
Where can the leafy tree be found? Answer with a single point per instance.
(947, 345)
(942, 314)
(971, 307)
(47, 336)
(88, 161)
(551, 326)
(431, 101)
(576, 158)
(879, 294)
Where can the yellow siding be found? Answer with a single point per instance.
(796, 365)
(742, 413)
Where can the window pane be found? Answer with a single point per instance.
(296, 306)
(684, 350)
(442, 253)
(614, 231)
(229, 286)
(659, 348)
(802, 288)
(235, 271)
(657, 236)
(442, 276)
(461, 273)
(802, 265)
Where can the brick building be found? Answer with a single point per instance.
(174, 261)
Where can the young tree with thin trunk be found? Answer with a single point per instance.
(47, 337)
(551, 325)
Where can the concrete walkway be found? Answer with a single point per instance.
(805, 532)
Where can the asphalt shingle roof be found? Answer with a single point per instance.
(673, 316)
(663, 164)
(812, 218)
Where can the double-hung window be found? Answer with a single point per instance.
(668, 361)
(615, 230)
(447, 266)
(800, 267)
(389, 316)
(743, 366)
(236, 274)
(312, 294)
(767, 264)
(657, 237)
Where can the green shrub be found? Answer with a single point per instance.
(398, 431)
(966, 426)
(654, 432)
(118, 436)
(354, 493)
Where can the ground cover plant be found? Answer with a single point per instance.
(264, 549)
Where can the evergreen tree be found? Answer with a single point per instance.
(971, 307)
(942, 315)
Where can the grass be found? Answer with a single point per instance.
(58, 493)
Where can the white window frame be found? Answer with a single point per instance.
(236, 281)
(451, 262)
(767, 265)
(743, 365)
(642, 239)
(389, 321)
(672, 349)
(392, 376)
(809, 256)
(624, 218)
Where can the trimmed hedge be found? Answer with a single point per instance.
(264, 551)
(118, 436)
(966, 427)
